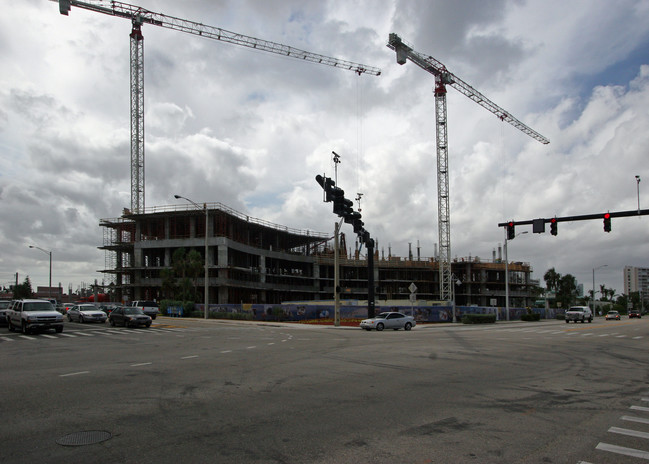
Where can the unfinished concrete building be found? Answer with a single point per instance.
(255, 261)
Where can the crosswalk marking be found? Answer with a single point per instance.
(629, 432)
(640, 420)
(623, 450)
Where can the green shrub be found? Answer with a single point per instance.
(478, 319)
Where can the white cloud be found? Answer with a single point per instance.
(251, 130)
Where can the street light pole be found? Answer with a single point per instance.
(594, 269)
(637, 181)
(49, 252)
(207, 276)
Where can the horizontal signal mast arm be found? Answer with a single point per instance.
(436, 68)
(136, 13)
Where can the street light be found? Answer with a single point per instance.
(507, 273)
(207, 288)
(594, 269)
(637, 181)
(49, 252)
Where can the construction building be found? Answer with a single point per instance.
(254, 261)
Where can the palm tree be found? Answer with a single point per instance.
(552, 279)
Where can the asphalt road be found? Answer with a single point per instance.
(228, 392)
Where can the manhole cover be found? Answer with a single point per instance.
(89, 437)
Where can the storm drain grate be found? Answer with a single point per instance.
(89, 437)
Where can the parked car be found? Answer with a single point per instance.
(68, 306)
(150, 308)
(86, 313)
(129, 316)
(30, 315)
(389, 320)
(634, 313)
(108, 309)
(613, 315)
(4, 309)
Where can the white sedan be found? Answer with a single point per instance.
(391, 320)
(86, 313)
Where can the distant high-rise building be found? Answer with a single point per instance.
(636, 279)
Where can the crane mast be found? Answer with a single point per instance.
(140, 16)
(443, 78)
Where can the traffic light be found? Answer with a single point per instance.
(348, 208)
(511, 232)
(553, 226)
(338, 195)
(607, 222)
(328, 185)
(358, 225)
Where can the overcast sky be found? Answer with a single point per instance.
(251, 129)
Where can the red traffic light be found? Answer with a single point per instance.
(553, 226)
(607, 222)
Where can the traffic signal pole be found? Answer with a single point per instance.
(370, 278)
(336, 276)
(606, 217)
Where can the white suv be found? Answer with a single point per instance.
(29, 315)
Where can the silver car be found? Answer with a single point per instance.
(86, 313)
(390, 320)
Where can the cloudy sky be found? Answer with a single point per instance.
(251, 129)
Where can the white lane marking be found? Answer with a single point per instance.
(48, 336)
(637, 338)
(226, 351)
(629, 432)
(8, 339)
(251, 347)
(26, 337)
(190, 357)
(641, 420)
(67, 335)
(271, 343)
(620, 336)
(639, 408)
(74, 373)
(622, 450)
(603, 335)
(84, 334)
(141, 364)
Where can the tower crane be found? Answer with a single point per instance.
(140, 16)
(443, 78)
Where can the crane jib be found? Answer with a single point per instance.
(141, 15)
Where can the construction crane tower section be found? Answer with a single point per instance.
(140, 16)
(443, 78)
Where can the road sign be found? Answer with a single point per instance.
(412, 288)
